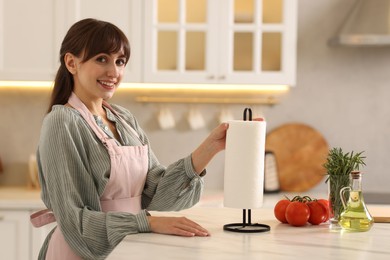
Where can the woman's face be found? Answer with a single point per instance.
(98, 77)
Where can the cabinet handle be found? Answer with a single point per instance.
(1, 218)
(210, 77)
(222, 77)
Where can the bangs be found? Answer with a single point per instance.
(106, 39)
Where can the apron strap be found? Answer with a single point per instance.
(75, 102)
(42, 217)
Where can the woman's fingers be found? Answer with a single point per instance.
(258, 119)
(179, 226)
(192, 227)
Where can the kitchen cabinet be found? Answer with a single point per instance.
(28, 45)
(15, 234)
(18, 238)
(30, 37)
(220, 41)
(172, 41)
(125, 14)
(38, 236)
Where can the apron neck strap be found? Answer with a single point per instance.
(76, 103)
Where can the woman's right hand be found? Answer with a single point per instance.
(180, 226)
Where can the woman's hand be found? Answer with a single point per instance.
(213, 144)
(179, 226)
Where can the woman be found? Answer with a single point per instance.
(97, 171)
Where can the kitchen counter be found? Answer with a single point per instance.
(282, 242)
(15, 198)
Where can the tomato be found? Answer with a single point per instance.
(297, 213)
(326, 205)
(318, 212)
(280, 210)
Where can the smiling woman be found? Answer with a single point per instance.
(83, 42)
(97, 171)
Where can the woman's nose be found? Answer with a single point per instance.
(113, 70)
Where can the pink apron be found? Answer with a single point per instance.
(129, 165)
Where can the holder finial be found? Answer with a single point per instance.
(249, 112)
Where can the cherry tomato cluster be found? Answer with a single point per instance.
(301, 210)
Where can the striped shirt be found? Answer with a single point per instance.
(74, 168)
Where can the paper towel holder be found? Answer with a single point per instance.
(247, 226)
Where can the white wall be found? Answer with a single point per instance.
(342, 92)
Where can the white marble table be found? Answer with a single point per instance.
(282, 242)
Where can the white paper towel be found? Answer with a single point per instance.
(244, 164)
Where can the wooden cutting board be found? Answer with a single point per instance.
(300, 152)
(381, 214)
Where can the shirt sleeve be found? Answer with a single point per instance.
(171, 188)
(72, 190)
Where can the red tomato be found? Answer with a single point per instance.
(326, 205)
(280, 210)
(318, 212)
(297, 213)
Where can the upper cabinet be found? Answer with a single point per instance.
(31, 33)
(28, 32)
(125, 14)
(220, 41)
(172, 41)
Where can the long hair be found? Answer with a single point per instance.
(87, 37)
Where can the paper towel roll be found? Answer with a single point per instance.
(244, 164)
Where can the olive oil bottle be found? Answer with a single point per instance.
(355, 216)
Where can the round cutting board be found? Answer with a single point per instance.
(300, 152)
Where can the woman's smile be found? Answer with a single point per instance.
(107, 84)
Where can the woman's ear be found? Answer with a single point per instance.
(70, 63)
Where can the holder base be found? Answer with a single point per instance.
(246, 228)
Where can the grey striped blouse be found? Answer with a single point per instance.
(74, 168)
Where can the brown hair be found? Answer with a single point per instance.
(87, 37)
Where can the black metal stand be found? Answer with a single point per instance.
(246, 226)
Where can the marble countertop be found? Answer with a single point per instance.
(282, 242)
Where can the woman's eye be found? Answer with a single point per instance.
(101, 59)
(121, 62)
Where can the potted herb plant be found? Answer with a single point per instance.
(339, 165)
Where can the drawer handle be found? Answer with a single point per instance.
(1, 218)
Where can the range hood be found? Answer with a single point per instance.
(367, 24)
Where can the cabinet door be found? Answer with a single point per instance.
(15, 235)
(260, 41)
(220, 41)
(31, 33)
(38, 237)
(27, 40)
(127, 15)
(180, 41)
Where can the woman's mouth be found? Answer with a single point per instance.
(107, 84)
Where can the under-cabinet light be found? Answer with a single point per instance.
(158, 87)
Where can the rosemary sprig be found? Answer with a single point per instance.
(339, 165)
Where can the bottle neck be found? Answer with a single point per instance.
(356, 182)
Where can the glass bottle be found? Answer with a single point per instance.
(355, 216)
